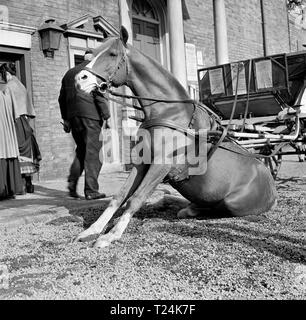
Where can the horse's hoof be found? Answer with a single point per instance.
(100, 244)
(187, 213)
(86, 236)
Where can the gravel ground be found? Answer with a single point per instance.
(161, 257)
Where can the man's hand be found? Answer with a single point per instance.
(67, 126)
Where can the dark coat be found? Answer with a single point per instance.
(76, 103)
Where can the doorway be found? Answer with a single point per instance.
(146, 38)
(146, 34)
(21, 58)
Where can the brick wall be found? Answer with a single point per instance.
(199, 29)
(297, 36)
(244, 29)
(56, 146)
(244, 34)
(277, 26)
(244, 24)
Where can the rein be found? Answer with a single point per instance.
(194, 102)
(148, 99)
(211, 134)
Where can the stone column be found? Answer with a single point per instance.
(125, 19)
(176, 39)
(221, 43)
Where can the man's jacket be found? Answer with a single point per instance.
(76, 103)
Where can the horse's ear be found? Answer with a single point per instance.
(124, 35)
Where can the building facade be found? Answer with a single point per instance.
(183, 35)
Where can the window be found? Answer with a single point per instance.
(78, 59)
(146, 29)
(142, 9)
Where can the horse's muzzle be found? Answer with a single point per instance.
(86, 81)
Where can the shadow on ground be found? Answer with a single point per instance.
(254, 231)
(51, 199)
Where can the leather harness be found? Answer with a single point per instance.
(215, 137)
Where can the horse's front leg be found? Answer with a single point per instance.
(154, 176)
(131, 184)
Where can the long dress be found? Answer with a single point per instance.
(28, 148)
(10, 174)
(29, 153)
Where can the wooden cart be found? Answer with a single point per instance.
(262, 102)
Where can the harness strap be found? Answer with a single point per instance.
(203, 107)
(170, 124)
(217, 145)
(167, 123)
(257, 156)
(225, 130)
(127, 96)
(211, 134)
(126, 104)
(197, 104)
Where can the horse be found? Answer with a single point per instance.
(233, 183)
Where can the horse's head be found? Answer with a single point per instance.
(109, 67)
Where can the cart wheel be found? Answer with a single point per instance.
(274, 164)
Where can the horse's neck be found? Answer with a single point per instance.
(149, 80)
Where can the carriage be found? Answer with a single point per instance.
(232, 183)
(262, 103)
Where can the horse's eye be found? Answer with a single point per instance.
(113, 54)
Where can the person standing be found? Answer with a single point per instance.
(23, 111)
(10, 175)
(83, 115)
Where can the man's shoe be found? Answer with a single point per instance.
(95, 196)
(74, 195)
(72, 186)
(29, 187)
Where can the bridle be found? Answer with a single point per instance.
(105, 86)
(215, 137)
(123, 61)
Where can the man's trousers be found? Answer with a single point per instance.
(86, 134)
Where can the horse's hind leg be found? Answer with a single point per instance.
(193, 210)
(153, 177)
(131, 184)
(216, 210)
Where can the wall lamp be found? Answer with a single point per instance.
(50, 35)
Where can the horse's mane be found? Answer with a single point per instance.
(167, 74)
